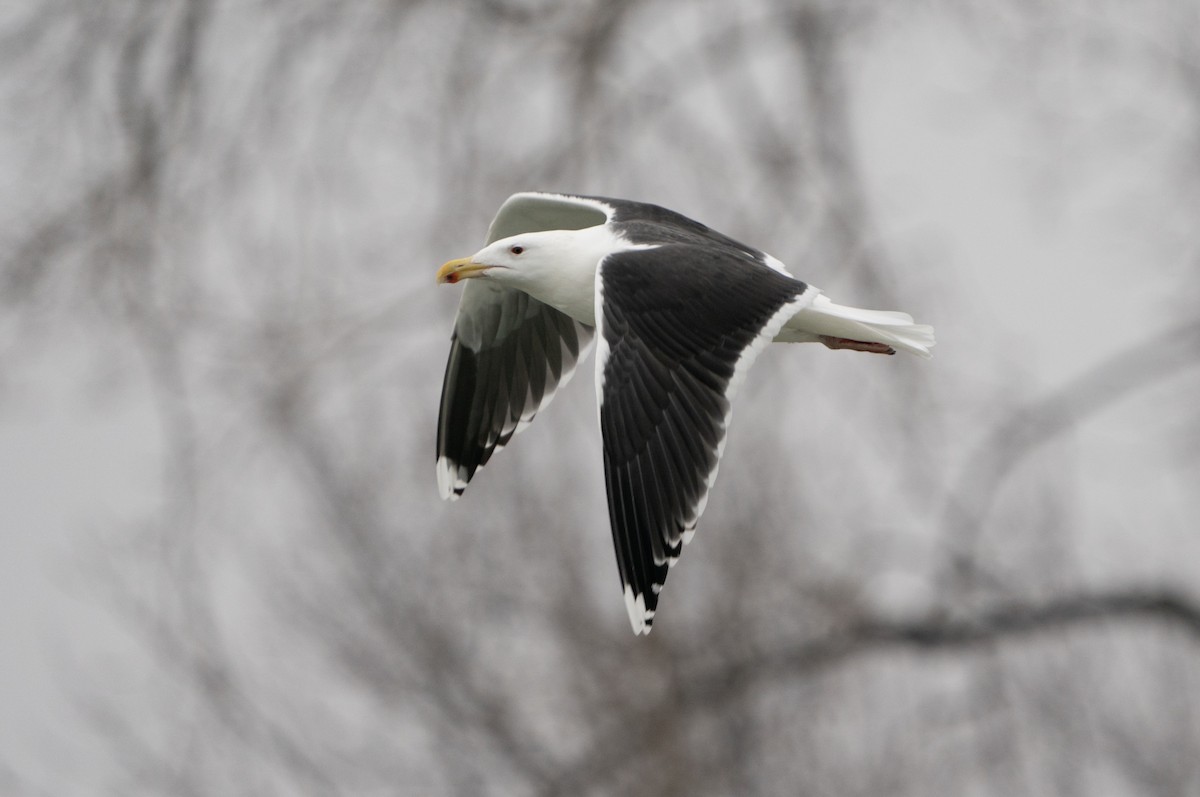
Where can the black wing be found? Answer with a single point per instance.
(509, 352)
(508, 355)
(679, 325)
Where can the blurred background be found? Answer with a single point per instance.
(224, 567)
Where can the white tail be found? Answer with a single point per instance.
(823, 317)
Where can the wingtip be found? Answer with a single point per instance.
(640, 618)
(450, 485)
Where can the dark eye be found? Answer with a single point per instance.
(516, 249)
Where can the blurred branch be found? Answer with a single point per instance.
(230, 702)
(712, 688)
(820, 32)
(1012, 441)
(417, 643)
(24, 271)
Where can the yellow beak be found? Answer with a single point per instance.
(462, 268)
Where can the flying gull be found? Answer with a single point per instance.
(679, 312)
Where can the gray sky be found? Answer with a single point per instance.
(1040, 212)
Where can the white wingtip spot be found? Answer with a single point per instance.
(449, 484)
(638, 616)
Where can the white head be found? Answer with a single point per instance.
(557, 267)
(521, 258)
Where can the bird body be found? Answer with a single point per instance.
(680, 312)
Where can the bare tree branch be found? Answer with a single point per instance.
(1030, 427)
(712, 688)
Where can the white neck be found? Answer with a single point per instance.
(568, 284)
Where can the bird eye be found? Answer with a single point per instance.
(516, 249)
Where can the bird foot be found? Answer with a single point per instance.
(856, 345)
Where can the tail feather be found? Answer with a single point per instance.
(824, 317)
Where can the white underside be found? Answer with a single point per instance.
(824, 317)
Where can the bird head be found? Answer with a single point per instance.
(556, 267)
(508, 260)
(533, 258)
